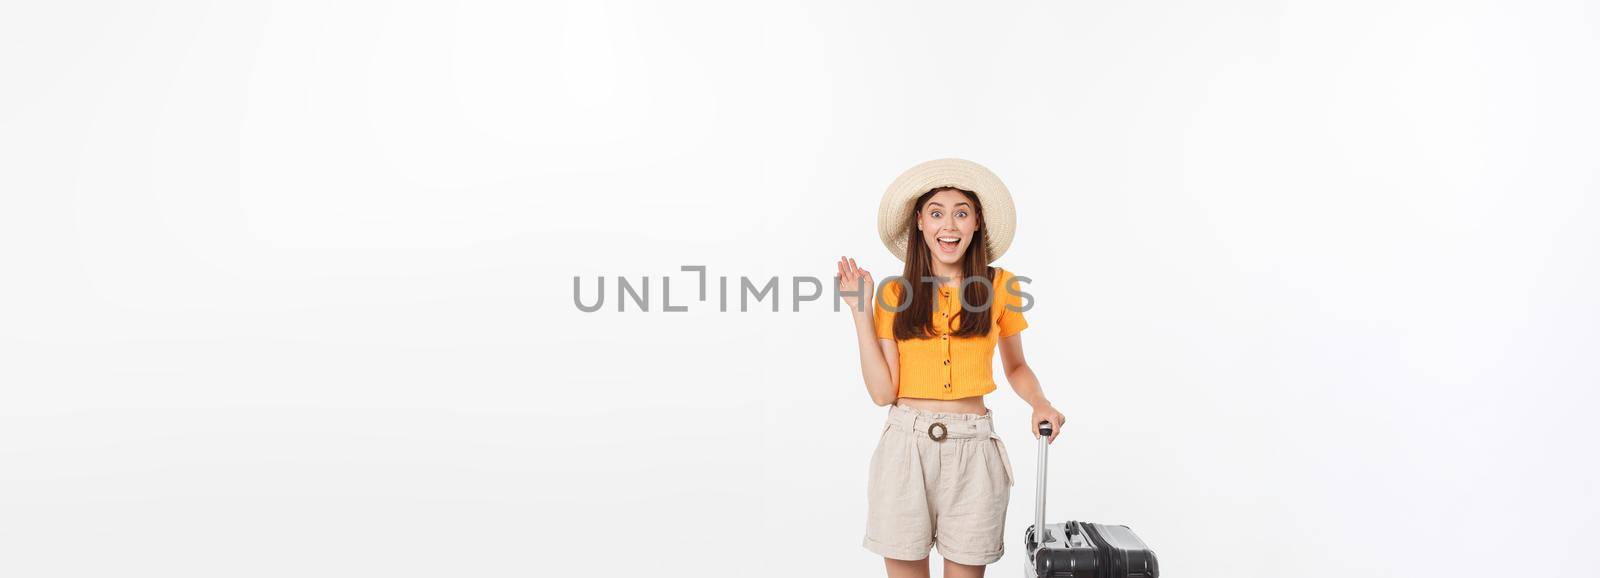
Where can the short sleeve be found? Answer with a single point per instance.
(883, 319)
(1010, 297)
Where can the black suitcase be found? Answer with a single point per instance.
(1081, 549)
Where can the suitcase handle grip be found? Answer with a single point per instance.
(1039, 535)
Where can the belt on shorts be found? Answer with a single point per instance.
(942, 426)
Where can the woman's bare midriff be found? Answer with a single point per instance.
(972, 404)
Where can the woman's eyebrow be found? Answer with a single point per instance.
(942, 206)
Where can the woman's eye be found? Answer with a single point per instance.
(936, 214)
(963, 214)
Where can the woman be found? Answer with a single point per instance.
(940, 476)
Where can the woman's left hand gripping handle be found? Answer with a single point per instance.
(1047, 414)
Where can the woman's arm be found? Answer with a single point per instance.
(1026, 384)
(880, 360)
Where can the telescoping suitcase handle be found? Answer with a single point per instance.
(1038, 498)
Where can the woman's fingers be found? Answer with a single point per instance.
(852, 275)
(849, 275)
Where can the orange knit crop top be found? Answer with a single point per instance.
(947, 366)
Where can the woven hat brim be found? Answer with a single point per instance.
(896, 209)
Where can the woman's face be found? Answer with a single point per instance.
(948, 223)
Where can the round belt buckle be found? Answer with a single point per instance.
(943, 431)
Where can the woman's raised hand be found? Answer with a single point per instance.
(851, 278)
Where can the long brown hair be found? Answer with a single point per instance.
(915, 321)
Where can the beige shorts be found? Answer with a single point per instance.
(938, 479)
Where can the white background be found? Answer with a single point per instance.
(287, 287)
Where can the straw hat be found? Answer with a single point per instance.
(898, 206)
